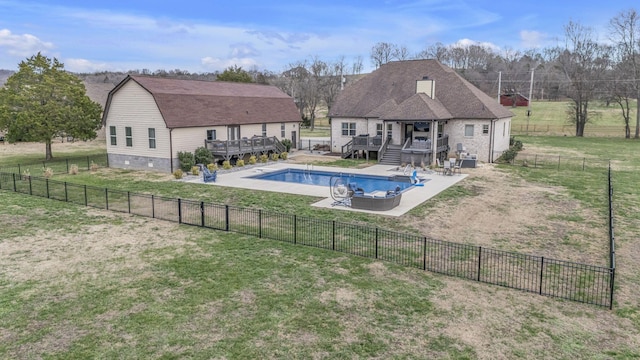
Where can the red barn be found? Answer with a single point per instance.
(513, 99)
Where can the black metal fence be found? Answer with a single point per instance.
(314, 145)
(58, 166)
(556, 278)
(559, 162)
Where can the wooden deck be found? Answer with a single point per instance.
(227, 149)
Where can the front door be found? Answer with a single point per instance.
(408, 132)
(234, 133)
(294, 140)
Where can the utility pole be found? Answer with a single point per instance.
(499, 84)
(529, 102)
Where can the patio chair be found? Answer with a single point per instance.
(439, 167)
(446, 168)
(455, 165)
(208, 176)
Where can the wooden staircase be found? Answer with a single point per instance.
(391, 156)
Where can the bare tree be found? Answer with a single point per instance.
(400, 52)
(625, 33)
(356, 67)
(584, 63)
(382, 53)
(437, 51)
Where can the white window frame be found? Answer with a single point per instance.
(128, 134)
(283, 133)
(466, 130)
(152, 138)
(113, 136)
(348, 129)
(264, 129)
(485, 129)
(211, 135)
(379, 129)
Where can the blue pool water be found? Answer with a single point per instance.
(368, 183)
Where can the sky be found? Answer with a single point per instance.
(208, 36)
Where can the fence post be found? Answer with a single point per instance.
(153, 207)
(179, 211)
(129, 202)
(66, 194)
(67, 160)
(558, 162)
(333, 237)
(541, 270)
(583, 160)
(376, 242)
(86, 200)
(226, 218)
(19, 170)
(202, 213)
(424, 253)
(15, 189)
(295, 228)
(479, 261)
(612, 281)
(106, 198)
(46, 181)
(30, 189)
(259, 223)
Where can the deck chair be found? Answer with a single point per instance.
(439, 167)
(446, 168)
(208, 176)
(455, 165)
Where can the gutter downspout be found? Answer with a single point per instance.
(171, 148)
(491, 140)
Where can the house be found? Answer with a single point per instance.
(513, 98)
(416, 111)
(148, 120)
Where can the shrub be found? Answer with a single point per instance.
(509, 155)
(47, 172)
(186, 160)
(203, 156)
(73, 169)
(252, 160)
(275, 156)
(212, 167)
(284, 155)
(264, 158)
(195, 170)
(240, 163)
(287, 144)
(178, 174)
(93, 166)
(226, 165)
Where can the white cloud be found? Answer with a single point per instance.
(467, 42)
(22, 45)
(532, 39)
(213, 64)
(84, 66)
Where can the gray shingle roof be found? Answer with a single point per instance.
(191, 103)
(397, 81)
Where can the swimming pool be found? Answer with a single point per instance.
(369, 183)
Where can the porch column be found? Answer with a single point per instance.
(434, 141)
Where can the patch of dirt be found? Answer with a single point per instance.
(502, 211)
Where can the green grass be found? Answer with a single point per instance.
(550, 117)
(187, 292)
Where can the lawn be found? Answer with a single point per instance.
(83, 283)
(550, 118)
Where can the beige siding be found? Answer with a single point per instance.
(479, 143)
(132, 106)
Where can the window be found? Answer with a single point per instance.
(485, 129)
(152, 138)
(378, 129)
(112, 133)
(233, 132)
(211, 134)
(128, 136)
(264, 130)
(389, 131)
(282, 132)
(468, 130)
(348, 129)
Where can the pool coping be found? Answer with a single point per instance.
(412, 197)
